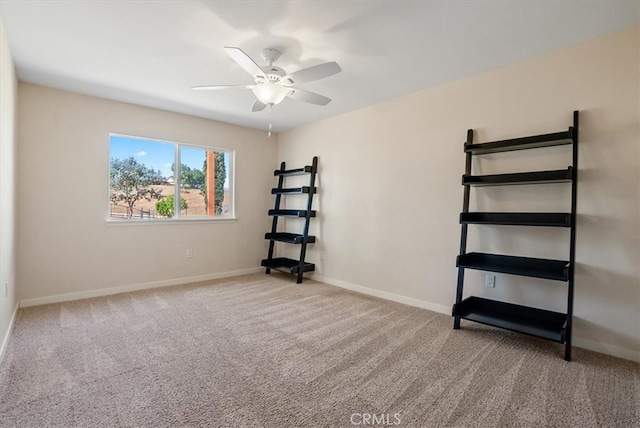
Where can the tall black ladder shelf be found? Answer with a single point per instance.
(542, 323)
(283, 264)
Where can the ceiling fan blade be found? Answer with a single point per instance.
(245, 62)
(258, 106)
(310, 74)
(309, 97)
(206, 88)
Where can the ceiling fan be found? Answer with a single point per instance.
(273, 84)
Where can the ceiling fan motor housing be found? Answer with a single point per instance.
(274, 74)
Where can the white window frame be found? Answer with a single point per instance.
(176, 178)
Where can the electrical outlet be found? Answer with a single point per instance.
(490, 280)
(189, 253)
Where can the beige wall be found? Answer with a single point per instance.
(8, 99)
(65, 245)
(390, 192)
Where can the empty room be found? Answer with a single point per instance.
(319, 213)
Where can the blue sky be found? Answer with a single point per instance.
(157, 154)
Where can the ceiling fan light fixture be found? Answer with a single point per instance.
(273, 84)
(270, 93)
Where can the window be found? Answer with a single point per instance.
(145, 175)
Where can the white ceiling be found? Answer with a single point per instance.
(152, 52)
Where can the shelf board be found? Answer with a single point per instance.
(524, 143)
(290, 238)
(517, 219)
(284, 264)
(523, 319)
(292, 213)
(293, 190)
(524, 266)
(534, 177)
(297, 171)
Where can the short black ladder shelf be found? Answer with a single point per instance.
(284, 264)
(554, 326)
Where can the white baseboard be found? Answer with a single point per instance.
(603, 348)
(5, 339)
(385, 295)
(133, 287)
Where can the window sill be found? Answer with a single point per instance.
(151, 222)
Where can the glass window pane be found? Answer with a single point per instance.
(140, 175)
(204, 182)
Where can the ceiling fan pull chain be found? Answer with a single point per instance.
(270, 113)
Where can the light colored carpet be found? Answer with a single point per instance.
(261, 351)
